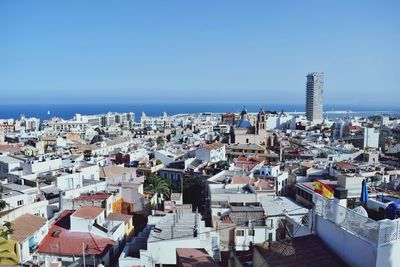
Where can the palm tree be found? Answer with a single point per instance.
(7, 230)
(157, 184)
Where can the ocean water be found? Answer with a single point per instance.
(67, 111)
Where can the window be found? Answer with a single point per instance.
(251, 232)
(20, 202)
(247, 140)
(239, 232)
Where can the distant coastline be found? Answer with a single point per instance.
(67, 111)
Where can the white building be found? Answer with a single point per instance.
(371, 137)
(166, 157)
(93, 220)
(29, 231)
(40, 165)
(211, 153)
(155, 122)
(164, 235)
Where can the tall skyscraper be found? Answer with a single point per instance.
(314, 97)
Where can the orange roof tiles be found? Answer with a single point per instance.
(25, 226)
(241, 180)
(213, 146)
(88, 212)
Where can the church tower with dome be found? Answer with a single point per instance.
(243, 132)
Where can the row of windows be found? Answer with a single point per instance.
(250, 232)
(304, 194)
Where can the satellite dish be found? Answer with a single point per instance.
(360, 210)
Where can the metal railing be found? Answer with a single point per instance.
(378, 232)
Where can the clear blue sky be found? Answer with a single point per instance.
(199, 51)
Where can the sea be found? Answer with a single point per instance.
(67, 111)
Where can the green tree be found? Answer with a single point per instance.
(223, 164)
(157, 184)
(193, 192)
(8, 230)
(160, 141)
(3, 204)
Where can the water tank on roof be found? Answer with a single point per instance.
(393, 210)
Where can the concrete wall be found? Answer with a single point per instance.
(76, 192)
(354, 250)
(69, 181)
(388, 255)
(42, 166)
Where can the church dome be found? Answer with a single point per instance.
(243, 123)
(244, 120)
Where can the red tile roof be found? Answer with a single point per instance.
(246, 165)
(213, 146)
(263, 184)
(241, 180)
(25, 226)
(88, 212)
(70, 243)
(197, 257)
(96, 196)
(11, 148)
(344, 166)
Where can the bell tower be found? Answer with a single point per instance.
(261, 118)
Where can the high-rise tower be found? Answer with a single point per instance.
(314, 97)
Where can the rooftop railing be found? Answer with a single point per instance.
(377, 232)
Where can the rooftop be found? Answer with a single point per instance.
(300, 251)
(88, 212)
(172, 228)
(96, 196)
(67, 242)
(213, 146)
(247, 146)
(10, 160)
(25, 226)
(197, 257)
(277, 205)
(112, 171)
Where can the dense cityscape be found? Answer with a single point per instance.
(173, 133)
(206, 189)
